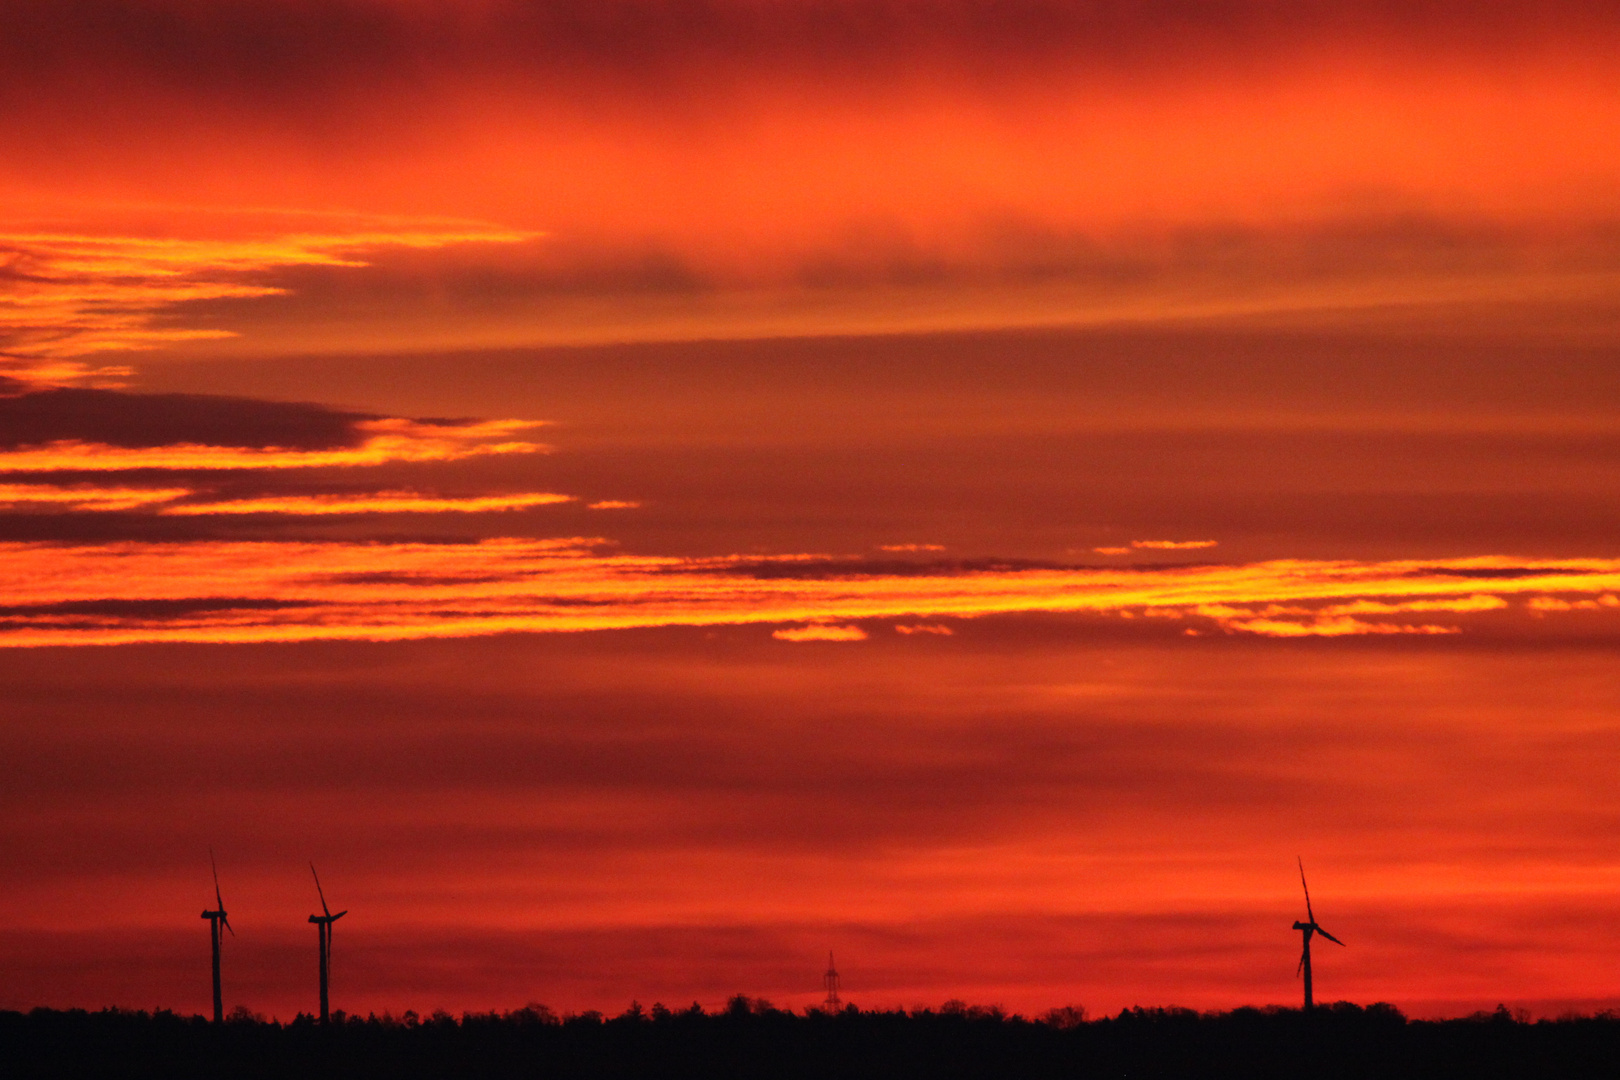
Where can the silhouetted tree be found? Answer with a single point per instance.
(750, 1038)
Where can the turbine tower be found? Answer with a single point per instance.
(831, 982)
(1306, 929)
(216, 918)
(323, 928)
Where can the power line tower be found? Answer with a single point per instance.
(830, 980)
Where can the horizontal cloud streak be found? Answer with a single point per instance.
(1330, 626)
(969, 269)
(1173, 545)
(383, 440)
(820, 632)
(85, 497)
(66, 295)
(225, 592)
(82, 498)
(383, 502)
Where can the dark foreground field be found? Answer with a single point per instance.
(751, 1039)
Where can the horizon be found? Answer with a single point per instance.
(1061, 1016)
(645, 493)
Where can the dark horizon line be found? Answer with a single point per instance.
(738, 1005)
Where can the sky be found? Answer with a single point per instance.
(645, 494)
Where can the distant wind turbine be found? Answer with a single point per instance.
(216, 918)
(1307, 929)
(323, 928)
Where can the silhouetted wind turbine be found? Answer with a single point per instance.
(1307, 929)
(215, 919)
(323, 928)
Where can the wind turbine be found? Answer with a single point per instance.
(216, 918)
(323, 928)
(1307, 929)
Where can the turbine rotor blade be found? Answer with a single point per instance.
(226, 921)
(1300, 969)
(1329, 936)
(1309, 915)
(317, 877)
(219, 903)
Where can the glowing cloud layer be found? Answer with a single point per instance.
(819, 632)
(224, 592)
(383, 502)
(383, 441)
(66, 295)
(1156, 545)
(83, 497)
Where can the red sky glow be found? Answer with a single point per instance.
(642, 494)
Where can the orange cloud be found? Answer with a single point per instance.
(1337, 620)
(911, 547)
(1384, 607)
(85, 497)
(1168, 545)
(825, 168)
(68, 294)
(1156, 545)
(211, 591)
(383, 502)
(612, 504)
(820, 632)
(385, 440)
(1335, 626)
(1542, 604)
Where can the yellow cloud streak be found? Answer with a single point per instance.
(388, 439)
(73, 256)
(819, 632)
(1541, 604)
(1156, 545)
(1336, 626)
(398, 591)
(74, 294)
(86, 498)
(1172, 545)
(384, 502)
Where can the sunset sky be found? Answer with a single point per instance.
(645, 492)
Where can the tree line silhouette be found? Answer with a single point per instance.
(752, 1040)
